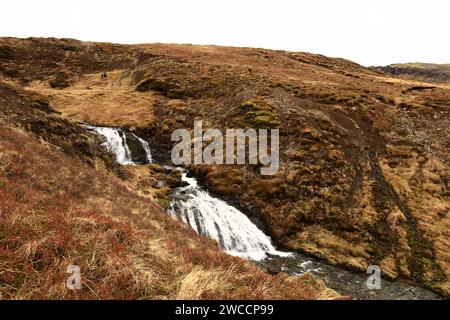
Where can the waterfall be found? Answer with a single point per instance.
(116, 143)
(146, 147)
(208, 216)
(238, 236)
(214, 218)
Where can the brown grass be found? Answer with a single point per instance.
(109, 102)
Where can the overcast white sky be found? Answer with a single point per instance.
(370, 32)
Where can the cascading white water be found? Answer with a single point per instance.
(116, 143)
(145, 145)
(214, 218)
(208, 216)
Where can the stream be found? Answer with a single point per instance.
(237, 235)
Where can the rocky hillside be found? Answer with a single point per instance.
(419, 71)
(364, 176)
(64, 200)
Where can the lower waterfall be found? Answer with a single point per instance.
(214, 218)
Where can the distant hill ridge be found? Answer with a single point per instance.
(421, 71)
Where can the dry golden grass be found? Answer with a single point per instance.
(139, 179)
(321, 242)
(430, 209)
(199, 281)
(109, 102)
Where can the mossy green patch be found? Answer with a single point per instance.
(259, 115)
(163, 202)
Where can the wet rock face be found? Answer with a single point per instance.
(138, 154)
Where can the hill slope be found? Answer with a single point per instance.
(364, 157)
(62, 203)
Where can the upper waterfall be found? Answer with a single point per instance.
(118, 143)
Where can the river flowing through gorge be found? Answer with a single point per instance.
(237, 235)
